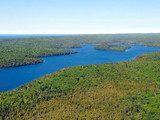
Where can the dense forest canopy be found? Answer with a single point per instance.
(24, 51)
(106, 46)
(124, 90)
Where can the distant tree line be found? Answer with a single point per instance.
(24, 51)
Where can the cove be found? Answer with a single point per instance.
(11, 78)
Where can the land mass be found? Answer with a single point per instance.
(112, 47)
(25, 51)
(124, 90)
(20, 57)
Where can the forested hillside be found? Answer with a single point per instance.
(124, 90)
(24, 56)
(24, 51)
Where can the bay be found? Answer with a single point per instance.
(11, 78)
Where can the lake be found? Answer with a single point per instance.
(11, 78)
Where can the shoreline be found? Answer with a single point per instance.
(75, 66)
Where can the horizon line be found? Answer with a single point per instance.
(76, 33)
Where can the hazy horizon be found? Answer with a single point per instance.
(79, 33)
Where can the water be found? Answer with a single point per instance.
(11, 78)
(29, 35)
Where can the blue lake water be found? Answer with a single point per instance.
(11, 78)
(29, 35)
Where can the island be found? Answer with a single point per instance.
(27, 50)
(105, 46)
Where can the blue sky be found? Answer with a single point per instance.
(79, 16)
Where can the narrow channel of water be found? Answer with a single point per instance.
(11, 78)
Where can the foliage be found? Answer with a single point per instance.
(23, 56)
(124, 90)
(111, 47)
(24, 51)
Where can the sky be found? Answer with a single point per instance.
(79, 16)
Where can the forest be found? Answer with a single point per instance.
(105, 46)
(124, 90)
(27, 50)
(18, 57)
